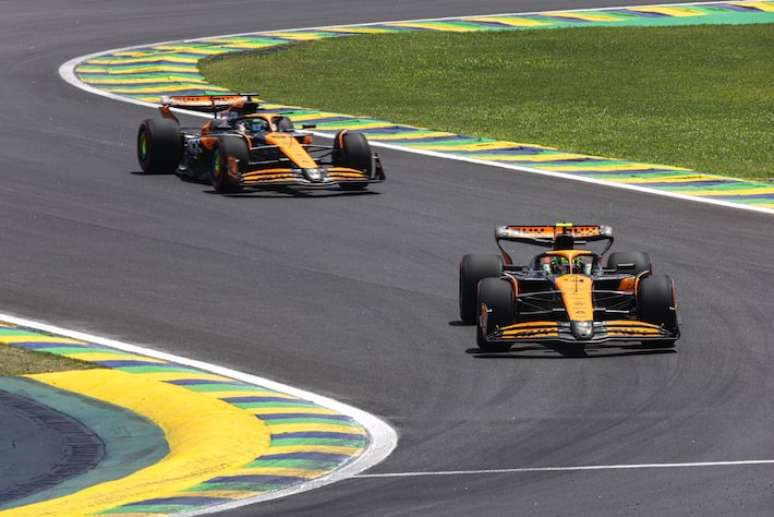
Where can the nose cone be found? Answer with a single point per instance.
(582, 329)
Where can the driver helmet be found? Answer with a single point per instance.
(252, 125)
(582, 266)
(555, 265)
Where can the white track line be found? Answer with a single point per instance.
(67, 72)
(570, 469)
(383, 437)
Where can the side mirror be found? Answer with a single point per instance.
(308, 126)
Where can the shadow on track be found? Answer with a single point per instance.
(267, 194)
(553, 351)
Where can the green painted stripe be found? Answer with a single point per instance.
(294, 464)
(156, 369)
(149, 508)
(237, 487)
(67, 350)
(337, 442)
(226, 387)
(729, 185)
(289, 404)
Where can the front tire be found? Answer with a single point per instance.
(159, 146)
(352, 150)
(657, 305)
(472, 269)
(221, 180)
(497, 296)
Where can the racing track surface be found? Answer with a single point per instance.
(352, 296)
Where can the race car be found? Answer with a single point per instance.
(245, 147)
(565, 295)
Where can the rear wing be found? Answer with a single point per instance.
(211, 103)
(560, 236)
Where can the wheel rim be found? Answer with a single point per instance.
(143, 145)
(216, 166)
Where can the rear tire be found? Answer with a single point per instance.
(472, 269)
(497, 295)
(159, 146)
(353, 151)
(641, 261)
(221, 180)
(656, 305)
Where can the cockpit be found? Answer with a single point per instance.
(566, 263)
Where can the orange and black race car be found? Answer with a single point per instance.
(566, 295)
(244, 147)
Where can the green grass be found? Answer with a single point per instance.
(699, 97)
(17, 361)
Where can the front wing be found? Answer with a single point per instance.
(288, 177)
(561, 331)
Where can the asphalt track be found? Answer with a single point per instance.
(353, 296)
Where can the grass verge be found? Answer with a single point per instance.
(17, 361)
(698, 97)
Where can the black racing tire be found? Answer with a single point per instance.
(497, 295)
(657, 305)
(639, 259)
(474, 268)
(159, 146)
(228, 146)
(352, 150)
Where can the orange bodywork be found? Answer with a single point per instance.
(576, 295)
(552, 231)
(290, 147)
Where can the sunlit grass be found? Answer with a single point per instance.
(699, 97)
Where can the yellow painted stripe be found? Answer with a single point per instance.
(133, 53)
(159, 79)
(763, 6)
(513, 21)
(679, 12)
(358, 30)
(137, 69)
(37, 338)
(145, 59)
(589, 17)
(548, 157)
(313, 116)
(162, 89)
(610, 168)
(331, 428)
(484, 146)
(730, 192)
(436, 26)
(332, 449)
(225, 494)
(110, 356)
(247, 45)
(294, 36)
(356, 125)
(671, 179)
(409, 134)
(207, 438)
(204, 51)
